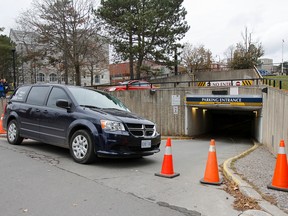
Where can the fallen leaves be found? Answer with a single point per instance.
(241, 202)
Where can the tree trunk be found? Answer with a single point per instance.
(78, 75)
(176, 62)
(65, 70)
(138, 67)
(131, 62)
(92, 76)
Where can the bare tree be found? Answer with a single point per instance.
(247, 53)
(229, 53)
(29, 54)
(94, 60)
(196, 58)
(66, 26)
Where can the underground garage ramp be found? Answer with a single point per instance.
(224, 115)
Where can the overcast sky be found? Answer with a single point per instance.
(215, 24)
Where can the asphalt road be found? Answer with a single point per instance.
(38, 179)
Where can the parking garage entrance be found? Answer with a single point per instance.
(224, 115)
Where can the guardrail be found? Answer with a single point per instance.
(279, 83)
(274, 82)
(202, 83)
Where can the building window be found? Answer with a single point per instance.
(63, 78)
(97, 79)
(40, 77)
(53, 77)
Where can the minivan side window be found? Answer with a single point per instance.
(38, 95)
(20, 94)
(56, 93)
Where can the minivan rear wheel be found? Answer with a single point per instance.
(81, 147)
(13, 136)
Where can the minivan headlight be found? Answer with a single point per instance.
(112, 125)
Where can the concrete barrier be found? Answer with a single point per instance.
(275, 118)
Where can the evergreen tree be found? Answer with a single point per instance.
(5, 57)
(144, 29)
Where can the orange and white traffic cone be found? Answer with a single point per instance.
(167, 165)
(211, 175)
(2, 131)
(280, 178)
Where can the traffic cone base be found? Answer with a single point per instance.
(270, 186)
(167, 175)
(212, 183)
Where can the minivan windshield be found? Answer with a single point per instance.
(97, 99)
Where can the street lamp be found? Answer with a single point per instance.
(14, 68)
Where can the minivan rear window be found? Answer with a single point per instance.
(20, 94)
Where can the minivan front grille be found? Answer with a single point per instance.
(140, 130)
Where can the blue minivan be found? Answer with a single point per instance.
(91, 123)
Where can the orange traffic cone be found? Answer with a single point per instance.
(2, 131)
(211, 175)
(167, 165)
(280, 178)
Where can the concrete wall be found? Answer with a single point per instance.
(158, 108)
(205, 76)
(275, 118)
(228, 75)
(198, 121)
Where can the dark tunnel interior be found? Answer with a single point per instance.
(232, 123)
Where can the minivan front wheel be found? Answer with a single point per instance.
(13, 136)
(81, 147)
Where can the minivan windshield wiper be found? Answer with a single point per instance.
(90, 106)
(114, 109)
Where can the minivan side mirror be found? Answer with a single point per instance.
(63, 104)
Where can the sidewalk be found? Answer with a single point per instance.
(256, 166)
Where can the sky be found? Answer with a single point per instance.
(215, 24)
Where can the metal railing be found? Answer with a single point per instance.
(276, 83)
(174, 84)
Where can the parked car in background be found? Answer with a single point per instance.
(91, 123)
(131, 85)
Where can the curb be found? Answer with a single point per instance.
(177, 137)
(248, 190)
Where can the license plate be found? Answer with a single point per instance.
(146, 144)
